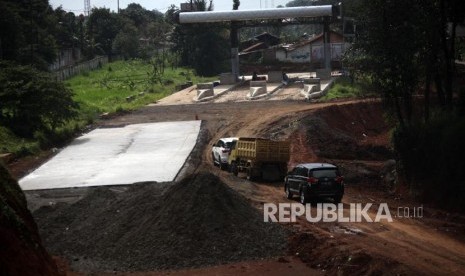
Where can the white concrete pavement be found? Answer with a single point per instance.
(118, 156)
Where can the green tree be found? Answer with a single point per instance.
(66, 30)
(403, 46)
(25, 34)
(30, 100)
(204, 47)
(142, 30)
(170, 14)
(387, 51)
(400, 47)
(102, 28)
(126, 42)
(141, 17)
(11, 32)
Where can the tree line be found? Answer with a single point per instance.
(406, 51)
(33, 34)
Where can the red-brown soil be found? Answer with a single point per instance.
(21, 250)
(332, 132)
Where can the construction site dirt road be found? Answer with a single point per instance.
(210, 222)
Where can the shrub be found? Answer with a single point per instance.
(431, 158)
(30, 100)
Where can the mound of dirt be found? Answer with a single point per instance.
(331, 142)
(196, 222)
(356, 131)
(21, 250)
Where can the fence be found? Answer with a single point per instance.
(67, 72)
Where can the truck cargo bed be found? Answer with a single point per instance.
(262, 150)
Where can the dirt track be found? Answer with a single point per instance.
(431, 245)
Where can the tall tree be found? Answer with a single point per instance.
(387, 51)
(66, 29)
(126, 42)
(202, 46)
(11, 32)
(25, 35)
(102, 28)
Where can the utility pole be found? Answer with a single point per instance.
(32, 33)
(118, 6)
(87, 7)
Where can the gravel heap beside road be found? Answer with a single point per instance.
(196, 222)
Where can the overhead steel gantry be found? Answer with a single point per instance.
(268, 17)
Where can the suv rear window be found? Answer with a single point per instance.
(325, 173)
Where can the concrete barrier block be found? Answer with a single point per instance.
(316, 95)
(257, 91)
(315, 82)
(204, 93)
(257, 88)
(205, 90)
(309, 88)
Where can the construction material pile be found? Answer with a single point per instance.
(198, 221)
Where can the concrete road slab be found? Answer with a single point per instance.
(118, 156)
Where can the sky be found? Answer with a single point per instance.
(77, 6)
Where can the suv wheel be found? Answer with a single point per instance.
(223, 166)
(303, 197)
(337, 199)
(289, 194)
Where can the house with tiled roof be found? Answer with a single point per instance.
(312, 50)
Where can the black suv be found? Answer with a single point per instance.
(313, 180)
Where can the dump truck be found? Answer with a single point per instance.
(259, 158)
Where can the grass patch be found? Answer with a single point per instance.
(344, 88)
(104, 91)
(16, 145)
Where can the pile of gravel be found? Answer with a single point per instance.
(197, 222)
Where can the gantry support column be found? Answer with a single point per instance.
(234, 38)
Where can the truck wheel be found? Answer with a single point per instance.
(223, 166)
(289, 194)
(233, 169)
(303, 197)
(250, 176)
